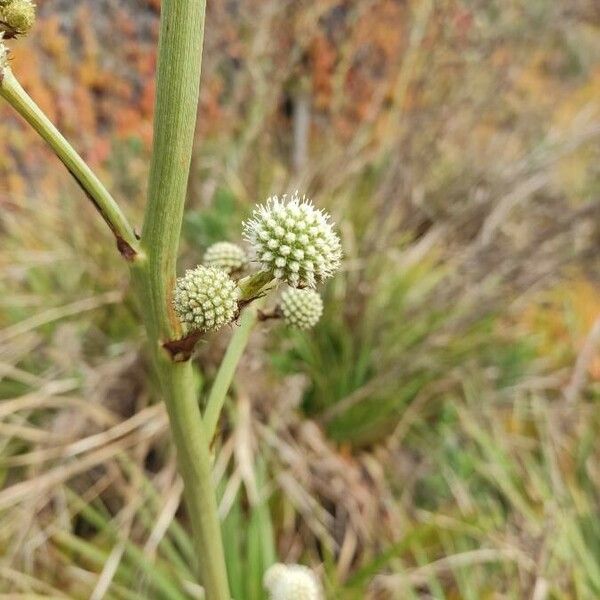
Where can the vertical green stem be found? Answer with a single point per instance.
(194, 462)
(178, 79)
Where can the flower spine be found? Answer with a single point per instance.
(17, 17)
(292, 582)
(301, 308)
(205, 299)
(294, 241)
(226, 256)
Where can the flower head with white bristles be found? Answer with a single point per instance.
(292, 582)
(294, 240)
(205, 299)
(225, 255)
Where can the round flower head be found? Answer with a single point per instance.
(301, 308)
(17, 17)
(225, 255)
(292, 582)
(294, 240)
(205, 298)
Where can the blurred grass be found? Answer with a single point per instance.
(420, 443)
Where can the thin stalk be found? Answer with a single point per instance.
(252, 289)
(17, 97)
(222, 382)
(178, 80)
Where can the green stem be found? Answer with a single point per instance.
(178, 80)
(195, 467)
(254, 285)
(222, 382)
(17, 97)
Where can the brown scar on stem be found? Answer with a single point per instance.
(10, 33)
(276, 313)
(182, 350)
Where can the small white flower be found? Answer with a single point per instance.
(292, 582)
(225, 255)
(205, 298)
(294, 240)
(301, 308)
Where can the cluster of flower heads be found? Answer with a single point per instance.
(293, 243)
(206, 298)
(17, 17)
(292, 582)
(294, 240)
(225, 255)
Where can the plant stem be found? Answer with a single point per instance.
(251, 288)
(195, 467)
(254, 285)
(222, 382)
(17, 97)
(178, 80)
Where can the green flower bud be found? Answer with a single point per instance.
(17, 17)
(301, 308)
(205, 299)
(294, 241)
(292, 582)
(226, 256)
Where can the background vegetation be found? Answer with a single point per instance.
(436, 435)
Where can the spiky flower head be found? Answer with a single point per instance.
(294, 240)
(301, 308)
(205, 298)
(17, 17)
(225, 255)
(292, 582)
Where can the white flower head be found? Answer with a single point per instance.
(294, 240)
(225, 255)
(206, 298)
(301, 308)
(292, 582)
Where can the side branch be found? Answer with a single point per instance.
(17, 97)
